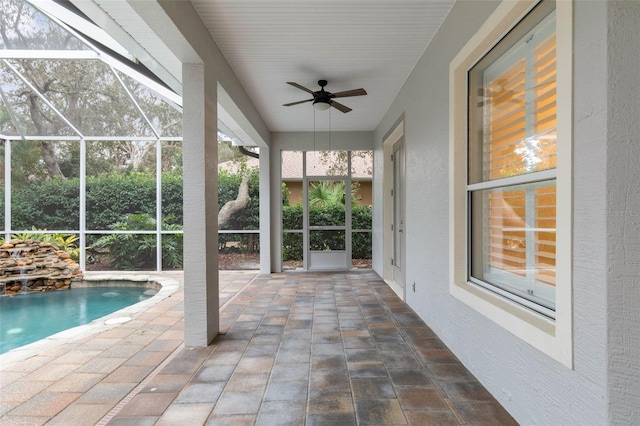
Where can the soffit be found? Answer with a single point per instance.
(373, 44)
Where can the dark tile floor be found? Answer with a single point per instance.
(315, 349)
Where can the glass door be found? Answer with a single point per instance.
(398, 213)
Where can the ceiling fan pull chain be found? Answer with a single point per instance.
(329, 130)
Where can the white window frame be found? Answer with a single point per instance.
(552, 336)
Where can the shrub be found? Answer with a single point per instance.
(138, 251)
(292, 246)
(55, 203)
(292, 217)
(110, 198)
(47, 204)
(172, 197)
(361, 217)
(128, 202)
(361, 245)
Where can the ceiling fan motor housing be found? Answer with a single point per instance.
(321, 97)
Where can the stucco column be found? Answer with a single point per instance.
(275, 208)
(200, 194)
(265, 212)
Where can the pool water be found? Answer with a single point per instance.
(29, 317)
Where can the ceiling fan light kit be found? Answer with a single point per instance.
(321, 105)
(323, 100)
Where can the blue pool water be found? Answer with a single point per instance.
(27, 318)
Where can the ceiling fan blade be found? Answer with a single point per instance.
(300, 87)
(340, 107)
(296, 103)
(347, 93)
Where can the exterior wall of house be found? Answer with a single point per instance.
(623, 211)
(602, 387)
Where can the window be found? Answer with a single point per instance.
(510, 239)
(512, 162)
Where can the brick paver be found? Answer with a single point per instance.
(296, 348)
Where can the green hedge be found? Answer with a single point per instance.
(326, 216)
(111, 199)
(54, 204)
(49, 204)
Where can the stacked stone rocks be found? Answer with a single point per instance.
(29, 265)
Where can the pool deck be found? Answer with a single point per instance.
(297, 348)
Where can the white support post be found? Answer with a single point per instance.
(158, 205)
(7, 189)
(265, 211)
(200, 148)
(83, 205)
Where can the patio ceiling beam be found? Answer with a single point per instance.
(137, 38)
(168, 95)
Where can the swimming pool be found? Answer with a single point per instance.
(26, 318)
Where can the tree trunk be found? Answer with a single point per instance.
(250, 244)
(50, 160)
(232, 207)
(46, 147)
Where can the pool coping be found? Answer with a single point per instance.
(166, 287)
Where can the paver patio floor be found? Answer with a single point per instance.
(297, 348)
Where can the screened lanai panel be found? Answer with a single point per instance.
(88, 94)
(361, 164)
(7, 128)
(45, 188)
(121, 252)
(121, 185)
(327, 163)
(164, 118)
(172, 183)
(2, 187)
(24, 27)
(34, 116)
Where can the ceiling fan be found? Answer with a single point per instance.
(322, 99)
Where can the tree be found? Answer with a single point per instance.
(337, 161)
(88, 93)
(238, 154)
(325, 194)
(227, 152)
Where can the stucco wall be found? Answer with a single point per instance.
(623, 211)
(533, 387)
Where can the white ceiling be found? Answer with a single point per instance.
(373, 44)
